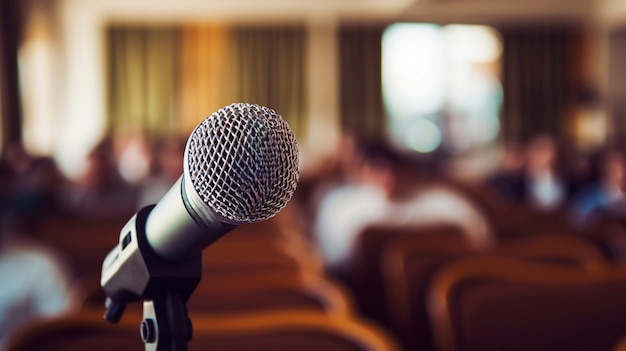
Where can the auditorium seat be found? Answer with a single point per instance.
(254, 291)
(86, 331)
(366, 276)
(275, 331)
(408, 263)
(521, 221)
(498, 303)
(287, 331)
(82, 241)
(564, 249)
(85, 241)
(259, 253)
(258, 291)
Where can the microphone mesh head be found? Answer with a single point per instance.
(243, 162)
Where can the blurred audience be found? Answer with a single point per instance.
(30, 185)
(603, 196)
(100, 191)
(530, 176)
(504, 185)
(35, 280)
(543, 187)
(167, 167)
(35, 286)
(370, 194)
(577, 167)
(360, 197)
(133, 154)
(363, 184)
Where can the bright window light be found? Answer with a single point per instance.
(444, 80)
(423, 136)
(412, 70)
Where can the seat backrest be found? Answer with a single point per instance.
(367, 275)
(275, 331)
(259, 252)
(87, 331)
(563, 249)
(408, 263)
(255, 291)
(498, 303)
(83, 241)
(286, 331)
(250, 291)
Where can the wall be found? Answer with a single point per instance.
(81, 106)
(78, 92)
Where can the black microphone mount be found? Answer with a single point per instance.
(132, 271)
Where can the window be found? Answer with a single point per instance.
(441, 86)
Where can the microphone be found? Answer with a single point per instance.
(240, 166)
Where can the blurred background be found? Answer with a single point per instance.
(462, 168)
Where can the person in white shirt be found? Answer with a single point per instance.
(369, 198)
(545, 188)
(35, 282)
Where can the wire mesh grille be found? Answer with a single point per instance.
(243, 162)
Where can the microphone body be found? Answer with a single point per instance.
(175, 231)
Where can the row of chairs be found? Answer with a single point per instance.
(498, 303)
(263, 288)
(437, 291)
(263, 331)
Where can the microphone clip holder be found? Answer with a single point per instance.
(132, 271)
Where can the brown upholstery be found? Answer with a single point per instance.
(269, 290)
(290, 331)
(620, 345)
(275, 331)
(83, 242)
(569, 250)
(257, 253)
(367, 276)
(256, 266)
(408, 264)
(252, 291)
(497, 303)
(87, 331)
(519, 221)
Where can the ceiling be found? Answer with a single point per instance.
(324, 10)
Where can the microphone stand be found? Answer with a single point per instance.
(166, 325)
(132, 271)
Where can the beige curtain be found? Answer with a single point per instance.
(166, 80)
(269, 69)
(205, 73)
(10, 106)
(142, 80)
(362, 112)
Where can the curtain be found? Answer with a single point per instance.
(538, 80)
(10, 107)
(362, 112)
(205, 76)
(142, 80)
(269, 69)
(166, 80)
